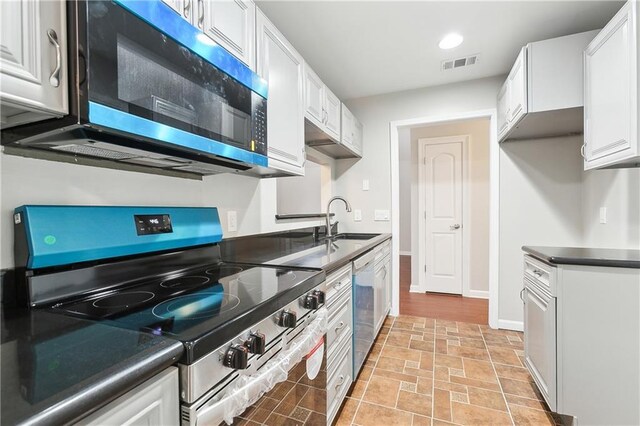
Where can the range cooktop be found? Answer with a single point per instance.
(203, 307)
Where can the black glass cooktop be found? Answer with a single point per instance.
(203, 308)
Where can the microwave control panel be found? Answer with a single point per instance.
(259, 119)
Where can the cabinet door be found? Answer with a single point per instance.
(540, 341)
(314, 97)
(379, 297)
(347, 126)
(387, 284)
(332, 108)
(611, 92)
(518, 89)
(358, 137)
(155, 402)
(33, 62)
(503, 110)
(282, 67)
(232, 24)
(184, 8)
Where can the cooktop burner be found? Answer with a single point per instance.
(123, 300)
(184, 282)
(195, 306)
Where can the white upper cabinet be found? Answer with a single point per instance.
(282, 67)
(351, 133)
(517, 82)
(332, 109)
(314, 97)
(542, 95)
(33, 61)
(231, 24)
(611, 93)
(503, 109)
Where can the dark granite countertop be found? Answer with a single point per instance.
(586, 256)
(55, 369)
(299, 249)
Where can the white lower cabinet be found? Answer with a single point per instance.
(540, 341)
(282, 67)
(582, 339)
(339, 339)
(382, 284)
(33, 63)
(153, 403)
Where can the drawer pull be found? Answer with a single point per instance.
(340, 284)
(522, 298)
(341, 326)
(340, 382)
(537, 273)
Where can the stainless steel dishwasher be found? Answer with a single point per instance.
(363, 308)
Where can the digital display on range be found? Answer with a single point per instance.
(153, 224)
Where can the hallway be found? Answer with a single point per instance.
(439, 306)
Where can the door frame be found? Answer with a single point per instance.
(422, 226)
(494, 199)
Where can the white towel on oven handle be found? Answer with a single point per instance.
(247, 390)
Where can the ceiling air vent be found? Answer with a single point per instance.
(459, 62)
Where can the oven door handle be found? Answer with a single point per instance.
(246, 390)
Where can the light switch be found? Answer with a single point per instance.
(232, 221)
(381, 215)
(357, 215)
(365, 184)
(603, 215)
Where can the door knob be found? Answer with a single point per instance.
(454, 227)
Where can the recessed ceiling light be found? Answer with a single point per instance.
(450, 41)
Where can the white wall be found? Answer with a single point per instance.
(375, 113)
(619, 192)
(540, 204)
(478, 162)
(31, 181)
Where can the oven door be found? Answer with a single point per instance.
(152, 74)
(289, 388)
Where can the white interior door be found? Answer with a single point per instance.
(441, 186)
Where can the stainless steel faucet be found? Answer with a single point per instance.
(346, 203)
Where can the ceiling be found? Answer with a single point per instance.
(363, 48)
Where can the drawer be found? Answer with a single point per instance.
(337, 283)
(337, 301)
(338, 385)
(338, 351)
(339, 325)
(542, 274)
(383, 250)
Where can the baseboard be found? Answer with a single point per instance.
(415, 289)
(511, 325)
(478, 294)
(405, 253)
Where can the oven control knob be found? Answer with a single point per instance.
(320, 295)
(236, 357)
(311, 301)
(256, 343)
(287, 319)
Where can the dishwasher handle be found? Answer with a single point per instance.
(363, 261)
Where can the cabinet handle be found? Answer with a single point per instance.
(187, 8)
(200, 13)
(582, 150)
(385, 271)
(341, 326)
(340, 285)
(340, 382)
(537, 273)
(54, 79)
(325, 116)
(522, 298)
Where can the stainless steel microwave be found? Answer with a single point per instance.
(148, 88)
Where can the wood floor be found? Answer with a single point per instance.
(439, 306)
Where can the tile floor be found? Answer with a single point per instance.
(424, 371)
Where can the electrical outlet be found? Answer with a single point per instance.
(357, 215)
(381, 215)
(603, 215)
(232, 221)
(365, 184)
